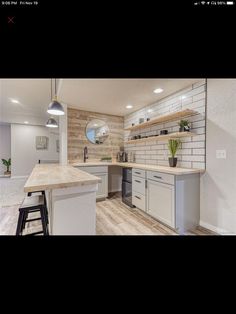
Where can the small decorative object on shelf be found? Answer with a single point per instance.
(141, 120)
(173, 146)
(133, 124)
(184, 126)
(7, 163)
(106, 159)
(163, 132)
(148, 119)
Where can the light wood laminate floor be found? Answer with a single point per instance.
(112, 218)
(115, 218)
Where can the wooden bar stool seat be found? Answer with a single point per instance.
(33, 204)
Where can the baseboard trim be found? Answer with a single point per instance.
(19, 177)
(215, 229)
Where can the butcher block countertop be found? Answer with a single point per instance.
(165, 169)
(55, 176)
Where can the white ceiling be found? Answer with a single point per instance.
(108, 96)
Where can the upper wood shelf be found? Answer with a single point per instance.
(162, 137)
(165, 118)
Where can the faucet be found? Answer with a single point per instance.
(85, 153)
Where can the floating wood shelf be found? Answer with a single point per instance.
(162, 137)
(168, 117)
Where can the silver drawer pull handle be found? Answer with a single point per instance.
(157, 177)
(138, 197)
(137, 172)
(137, 181)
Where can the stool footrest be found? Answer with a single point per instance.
(34, 233)
(33, 219)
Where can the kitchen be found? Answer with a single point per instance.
(123, 157)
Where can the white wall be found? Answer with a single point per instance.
(23, 151)
(218, 184)
(5, 145)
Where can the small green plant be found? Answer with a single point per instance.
(106, 158)
(183, 123)
(173, 146)
(7, 163)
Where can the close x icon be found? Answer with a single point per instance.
(11, 20)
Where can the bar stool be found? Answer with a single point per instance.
(30, 205)
(45, 201)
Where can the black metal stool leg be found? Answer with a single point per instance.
(44, 220)
(19, 228)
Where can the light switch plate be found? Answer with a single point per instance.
(221, 154)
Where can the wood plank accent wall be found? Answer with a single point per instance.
(77, 140)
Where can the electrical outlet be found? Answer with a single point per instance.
(221, 154)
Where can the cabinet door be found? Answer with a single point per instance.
(103, 185)
(161, 202)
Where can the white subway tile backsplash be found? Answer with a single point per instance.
(184, 164)
(193, 158)
(198, 165)
(199, 96)
(202, 82)
(198, 151)
(192, 151)
(193, 145)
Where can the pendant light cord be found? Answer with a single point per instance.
(55, 87)
(51, 89)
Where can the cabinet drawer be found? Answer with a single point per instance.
(139, 200)
(161, 177)
(139, 172)
(138, 184)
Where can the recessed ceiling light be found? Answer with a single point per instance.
(26, 122)
(158, 90)
(183, 97)
(15, 101)
(149, 110)
(129, 106)
(95, 124)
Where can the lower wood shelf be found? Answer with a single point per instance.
(162, 137)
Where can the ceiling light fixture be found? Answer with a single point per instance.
(183, 97)
(149, 110)
(55, 108)
(158, 90)
(15, 101)
(129, 106)
(51, 123)
(26, 122)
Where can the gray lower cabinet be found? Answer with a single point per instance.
(161, 202)
(172, 199)
(102, 191)
(101, 172)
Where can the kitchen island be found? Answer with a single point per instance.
(71, 197)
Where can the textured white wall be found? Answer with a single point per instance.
(218, 184)
(23, 151)
(5, 145)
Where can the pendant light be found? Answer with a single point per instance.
(55, 108)
(51, 123)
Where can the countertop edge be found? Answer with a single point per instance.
(143, 167)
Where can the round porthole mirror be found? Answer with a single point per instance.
(97, 131)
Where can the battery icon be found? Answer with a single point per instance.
(230, 2)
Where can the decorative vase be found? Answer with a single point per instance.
(184, 129)
(172, 161)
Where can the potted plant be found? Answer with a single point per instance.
(7, 163)
(184, 126)
(173, 146)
